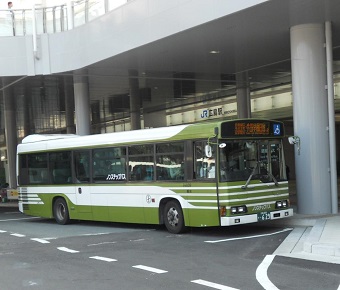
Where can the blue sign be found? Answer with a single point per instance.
(277, 129)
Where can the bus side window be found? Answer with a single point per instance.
(109, 164)
(36, 164)
(60, 167)
(170, 161)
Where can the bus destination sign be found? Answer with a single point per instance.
(252, 128)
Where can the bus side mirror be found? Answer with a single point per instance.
(295, 140)
(208, 151)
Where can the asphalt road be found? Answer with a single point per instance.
(39, 254)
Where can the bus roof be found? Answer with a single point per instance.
(47, 142)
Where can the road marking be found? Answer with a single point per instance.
(103, 259)
(150, 269)
(3, 231)
(29, 218)
(213, 285)
(261, 273)
(95, 234)
(139, 240)
(338, 287)
(249, 237)
(40, 241)
(103, 243)
(67, 250)
(18, 235)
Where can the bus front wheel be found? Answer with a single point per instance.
(173, 217)
(60, 211)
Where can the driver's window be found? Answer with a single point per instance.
(204, 167)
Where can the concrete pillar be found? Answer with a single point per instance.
(134, 100)
(69, 105)
(27, 108)
(154, 110)
(82, 102)
(311, 118)
(243, 96)
(10, 131)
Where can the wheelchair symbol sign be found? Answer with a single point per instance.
(277, 129)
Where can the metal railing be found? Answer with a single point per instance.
(19, 22)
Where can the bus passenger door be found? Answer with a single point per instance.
(82, 181)
(83, 194)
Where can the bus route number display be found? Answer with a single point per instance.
(252, 128)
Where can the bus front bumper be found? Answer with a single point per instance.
(253, 218)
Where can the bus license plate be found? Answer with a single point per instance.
(262, 216)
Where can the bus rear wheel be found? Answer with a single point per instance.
(60, 211)
(173, 217)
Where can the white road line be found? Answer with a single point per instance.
(150, 269)
(139, 240)
(261, 273)
(67, 250)
(95, 234)
(103, 259)
(103, 243)
(3, 231)
(338, 288)
(18, 235)
(249, 237)
(29, 218)
(40, 241)
(213, 285)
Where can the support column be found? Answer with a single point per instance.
(27, 109)
(82, 102)
(134, 100)
(310, 114)
(10, 131)
(69, 106)
(154, 111)
(243, 96)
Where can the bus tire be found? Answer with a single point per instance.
(60, 211)
(173, 217)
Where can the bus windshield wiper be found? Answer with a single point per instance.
(250, 176)
(273, 178)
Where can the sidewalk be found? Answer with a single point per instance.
(314, 237)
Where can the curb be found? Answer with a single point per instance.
(314, 235)
(312, 243)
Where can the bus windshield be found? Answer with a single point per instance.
(252, 159)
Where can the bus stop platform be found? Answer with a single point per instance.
(313, 237)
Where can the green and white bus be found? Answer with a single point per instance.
(208, 174)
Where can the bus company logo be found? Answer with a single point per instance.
(207, 113)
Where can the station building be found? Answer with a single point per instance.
(92, 67)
